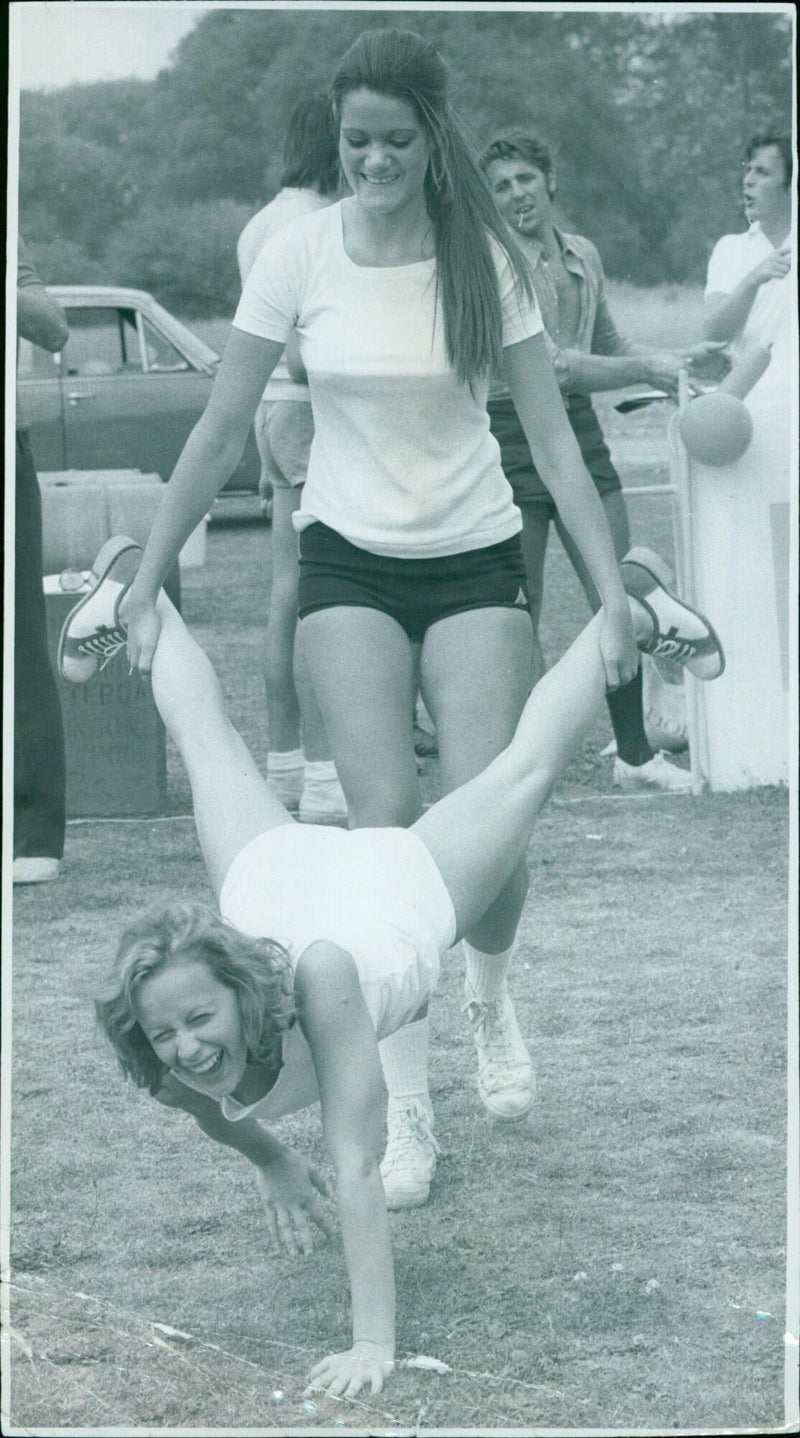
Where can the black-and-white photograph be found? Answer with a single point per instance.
(400, 929)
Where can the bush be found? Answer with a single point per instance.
(183, 254)
(65, 262)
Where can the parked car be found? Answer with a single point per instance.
(125, 391)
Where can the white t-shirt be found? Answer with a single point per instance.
(771, 318)
(403, 461)
(288, 205)
(375, 892)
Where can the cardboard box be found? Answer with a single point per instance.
(82, 508)
(114, 737)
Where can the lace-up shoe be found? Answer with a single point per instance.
(92, 633)
(679, 632)
(409, 1162)
(506, 1080)
(657, 773)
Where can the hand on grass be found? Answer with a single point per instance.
(343, 1375)
(618, 649)
(292, 1194)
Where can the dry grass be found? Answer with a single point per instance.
(603, 1264)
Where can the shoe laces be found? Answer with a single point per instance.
(409, 1127)
(489, 1027)
(103, 643)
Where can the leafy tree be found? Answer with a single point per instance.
(184, 254)
(648, 113)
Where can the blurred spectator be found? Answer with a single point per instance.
(39, 766)
(741, 516)
(299, 763)
(749, 291)
(588, 354)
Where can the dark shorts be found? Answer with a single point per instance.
(515, 456)
(414, 592)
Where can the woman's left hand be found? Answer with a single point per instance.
(618, 648)
(343, 1375)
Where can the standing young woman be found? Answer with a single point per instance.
(403, 297)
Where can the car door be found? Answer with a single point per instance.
(131, 397)
(39, 404)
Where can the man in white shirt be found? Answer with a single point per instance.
(741, 513)
(749, 291)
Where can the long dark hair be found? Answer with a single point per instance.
(258, 970)
(407, 67)
(310, 150)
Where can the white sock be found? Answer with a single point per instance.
(318, 772)
(285, 773)
(404, 1060)
(486, 973)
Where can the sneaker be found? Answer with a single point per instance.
(92, 633)
(506, 1080)
(679, 632)
(657, 773)
(409, 1162)
(35, 869)
(322, 802)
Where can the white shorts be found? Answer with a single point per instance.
(284, 430)
(375, 892)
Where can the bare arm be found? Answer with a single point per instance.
(291, 1190)
(338, 1027)
(726, 314)
(209, 457)
(41, 319)
(558, 459)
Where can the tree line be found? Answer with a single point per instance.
(149, 183)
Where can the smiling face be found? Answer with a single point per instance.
(522, 194)
(194, 1025)
(764, 188)
(383, 150)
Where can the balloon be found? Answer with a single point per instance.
(716, 428)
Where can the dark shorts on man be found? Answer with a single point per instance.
(415, 592)
(515, 456)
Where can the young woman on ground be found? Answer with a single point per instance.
(331, 940)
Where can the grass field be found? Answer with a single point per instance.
(617, 1261)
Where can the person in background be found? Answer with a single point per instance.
(588, 354)
(299, 763)
(749, 298)
(39, 763)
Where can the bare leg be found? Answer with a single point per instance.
(283, 709)
(361, 663)
(476, 708)
(535, 531)
(478, 834)
(232, 802)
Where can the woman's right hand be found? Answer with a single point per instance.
(143, 627)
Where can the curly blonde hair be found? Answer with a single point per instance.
(259, 972)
